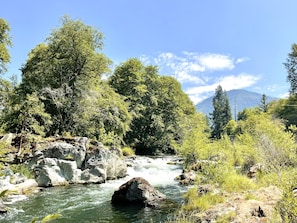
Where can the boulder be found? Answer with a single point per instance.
(95, 175)
(54, 172)
(69, 162)
(137, 191)
(187, 178)
(108, 161)
(74, 149)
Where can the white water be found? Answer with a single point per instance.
(91, 203)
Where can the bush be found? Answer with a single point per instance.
(237, 183)
(23, 169)
(128, 151)
(194, 201)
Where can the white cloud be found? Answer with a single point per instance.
(241, 60)
(240, 81)
(230, 82)
(190, 65)
(198, 72)
(215, 62)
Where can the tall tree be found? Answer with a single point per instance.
(5, 41)
(291, 66)
(157, 103)
(221, 114)
(64, 69)
(264, 105)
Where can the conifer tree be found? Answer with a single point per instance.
(291, 66)
(221, 114)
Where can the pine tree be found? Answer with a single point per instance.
(221, 114)
(291, 66)
(264, 105)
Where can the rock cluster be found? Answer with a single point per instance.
(69, 162)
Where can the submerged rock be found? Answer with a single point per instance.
(137, 191)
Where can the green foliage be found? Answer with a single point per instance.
(264, 105)
(27, 115)
(5, 41)
(196, 202)
(22, 169)
(196, 139)
(48, 218)
(234, 182)
(64, 70)
(103, 115)
(128, 151)
(221, 114)
(226, 218)
(291, 66)
(287, 206)
(285, 109)
(157, 104)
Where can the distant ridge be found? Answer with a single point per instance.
(241, 98)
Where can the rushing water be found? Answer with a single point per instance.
(91, 203)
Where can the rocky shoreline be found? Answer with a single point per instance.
(62, 161)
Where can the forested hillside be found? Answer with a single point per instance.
(62, 92)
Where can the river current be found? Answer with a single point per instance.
(91, 203)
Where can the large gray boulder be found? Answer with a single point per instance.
(69, 162)
(74, 149)
(137, 191)
(55, 172)
(108, 161)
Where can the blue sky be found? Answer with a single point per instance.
(239, 44)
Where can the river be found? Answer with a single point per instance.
(91, 203)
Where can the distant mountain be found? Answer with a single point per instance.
(238, 99)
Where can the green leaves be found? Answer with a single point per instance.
(26, 115)
(221, 114)
(291, 66)
(157, 104)
(64, 70)
(5, 41)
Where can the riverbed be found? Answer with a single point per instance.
(91, 203)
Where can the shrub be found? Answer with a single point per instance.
(237, 183)
(128, 151)
(23, 169)
(194, 201)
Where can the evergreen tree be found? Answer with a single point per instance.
(291, 66)
(264, 105)
(221, 114)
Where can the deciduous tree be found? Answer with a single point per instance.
(63, 70)
(5, 41)
(157, 104)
